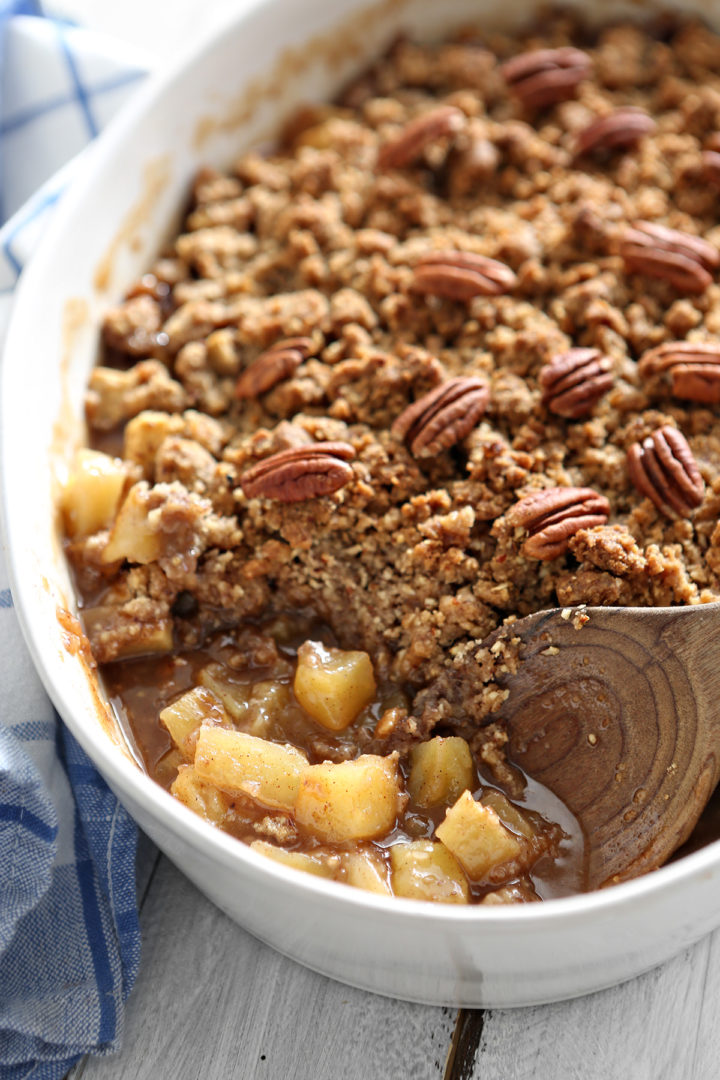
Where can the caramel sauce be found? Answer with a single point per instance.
(139, 689)
(76, 644)
(73, 636)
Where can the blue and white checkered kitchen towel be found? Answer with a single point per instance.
(69, 936)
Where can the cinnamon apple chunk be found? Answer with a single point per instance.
(427, 870)
(477, 838)
(440, 770)
(233, 695)
(115, 636)
(92, 493)
(333, 685)
(199, 796)
(350, 800)
(242, 764)
(185, 715)
(322, 865)
(509, 814)
(134, 536)
(365, 868)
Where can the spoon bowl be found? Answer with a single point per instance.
(617, 712)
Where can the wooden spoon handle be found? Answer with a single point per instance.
(620, 718)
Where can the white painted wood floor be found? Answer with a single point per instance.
(212, 1003)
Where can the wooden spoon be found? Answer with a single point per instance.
(617, 712)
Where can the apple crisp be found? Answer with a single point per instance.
(445, 356)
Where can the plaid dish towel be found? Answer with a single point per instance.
(69, 935)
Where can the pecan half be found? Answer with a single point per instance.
(552, 516)
(686, 261)
(623, 127)
(272, 366)
(542, 77)
(574, 380)
(405, 148)
(443, 417)
(461, 275)
(662, 467)
(693, 367)
(304, 472)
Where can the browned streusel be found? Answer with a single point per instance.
(415, 560)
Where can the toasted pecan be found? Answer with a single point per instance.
(303, 472)
(684, 260)
(622, 127)
(574, 381)
(663, 468)
(402, 151)
(552, 516)
(442, 417)
(461, 275)
(693, 367)
(272, 366)
(546, 76)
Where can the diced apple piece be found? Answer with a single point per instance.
(440, 770)
(167, 767)
(426, 870)
(350, 800)
(333, 685)
(183, 718)
(198, 795)
(91, 496)
(366, 870)
(269, 703)
(234, 696)
(321, 866)
(519, 893)
(135, 638)
(134, 536)
(242, 764)
(152, 638)
(254, 707)
(477, 837)
(508, 813)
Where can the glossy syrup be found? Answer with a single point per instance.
(140, 688)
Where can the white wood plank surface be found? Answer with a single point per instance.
(212, 1002)
(660, 1026)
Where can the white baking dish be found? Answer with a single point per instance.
(228, 95)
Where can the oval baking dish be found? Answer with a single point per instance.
(229, 95)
